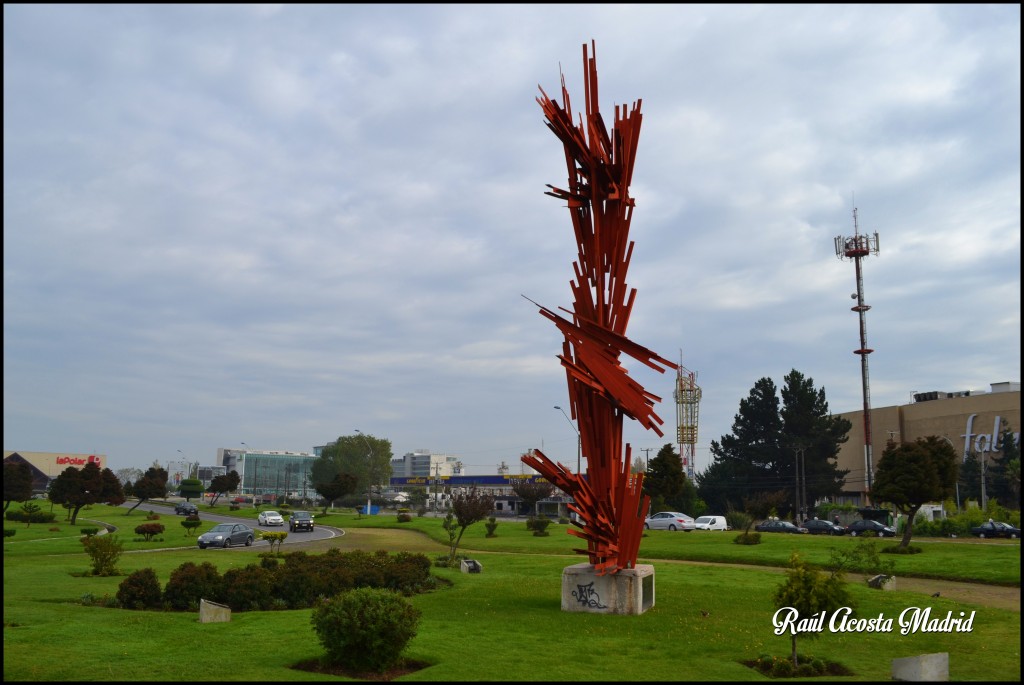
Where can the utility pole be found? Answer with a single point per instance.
(647, 458)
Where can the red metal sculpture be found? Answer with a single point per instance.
(609, 500)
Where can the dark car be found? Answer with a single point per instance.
(300, 520)
(186, 508)
(867, 525)
(227, 534)
(778, 527)
(996, 529)
(819, 527)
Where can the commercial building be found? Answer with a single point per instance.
(269, 472)
(46, 466)
(422, 463)
(968, 419)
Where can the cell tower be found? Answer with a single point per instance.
(687, 396)
(856, 247)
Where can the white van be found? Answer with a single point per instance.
(711, 523)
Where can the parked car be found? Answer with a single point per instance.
(776, 526)
(670, 520)
(227, 534)
(711, 523)
(864, 525)
(300, 520)
(186, 508)
(270, 518)
(996, 529)
(819, 527)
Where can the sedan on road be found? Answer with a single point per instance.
(996, 529)
(270, 518)
(670, 520)
(227, 534)
(778, 527)
(867, 525)
(819, 527)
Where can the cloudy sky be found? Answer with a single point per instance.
(276, 225)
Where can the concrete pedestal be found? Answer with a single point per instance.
(926, 667)
(627, 592)
(211, 612)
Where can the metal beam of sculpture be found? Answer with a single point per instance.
(609, 500)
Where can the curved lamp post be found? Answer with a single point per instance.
(369, 458)
(579, 439)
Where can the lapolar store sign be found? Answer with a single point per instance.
(984, 442)
(78, 461)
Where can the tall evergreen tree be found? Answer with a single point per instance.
(668, 486)
(1003, 475)
(970, 478)
(760, 453)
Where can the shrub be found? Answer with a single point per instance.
(782, 669)
(54, 529)
(140, 590)
(9, 532)
(153, 516)
(540, 525)
(189, 583)
(365, 629)
(747, 539)
(148, 530)
(89, 532)
(104, 551)
(234, 506)
(404, 518)
(563, 521)
(248, 589)
(422, 511)
(491, 525)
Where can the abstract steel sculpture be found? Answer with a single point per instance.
(609, 500)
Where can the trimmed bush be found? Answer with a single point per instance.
(540, 525)
(9, 532)
(189, 583)
(89, 532)
(149, 530)
(140, 590)
(365, 629)
(491, 526)
(248, 589)
(896, 549)
(191, 523)
(747, 539)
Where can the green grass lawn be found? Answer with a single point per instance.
(502, 624)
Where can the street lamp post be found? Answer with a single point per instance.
(579, 439)
(369, 466)
(946, 438)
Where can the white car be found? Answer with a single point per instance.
(270, 518)
(669, 520)
(711, 523)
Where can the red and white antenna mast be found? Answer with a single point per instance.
(856, 247)
(687, 396)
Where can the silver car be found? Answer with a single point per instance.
(227, 534)
(670, 520)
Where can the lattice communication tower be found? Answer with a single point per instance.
(687, 396)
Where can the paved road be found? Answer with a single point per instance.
(318, 533)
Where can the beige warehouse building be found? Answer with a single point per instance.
(970, 420)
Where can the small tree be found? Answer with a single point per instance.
(339, 485)
(190, 487)
(276, 539)
(808, 593)
(531, 492)
(190, 524)
(27, 510)
(467, 509)
(915, 473)
(222, 484)
(150, 485)
(17, 482)
(75, 488)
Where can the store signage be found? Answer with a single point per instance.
(985, 442)
(78, 461)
